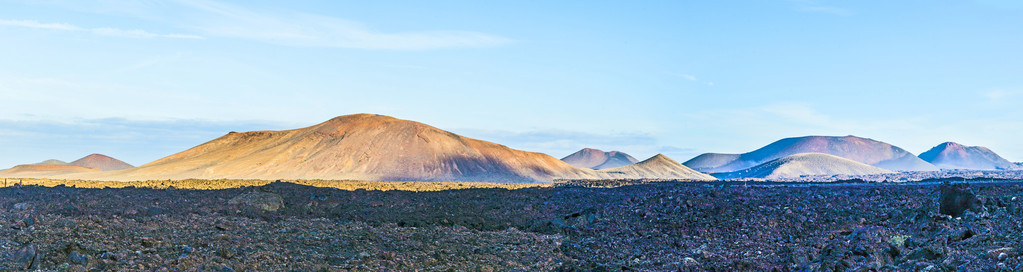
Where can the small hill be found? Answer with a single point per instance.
(794, 166)
(44, 170)
(51, 161)
(353, 147)
(656, 167)
(950, 155)
(101, 162)
(859, 149)
(598, 159)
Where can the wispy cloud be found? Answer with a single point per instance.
(692, 78)
(815, 6)
(103, 31)
(303, 29)
(1001, 94)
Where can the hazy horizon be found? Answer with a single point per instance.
(140, 80)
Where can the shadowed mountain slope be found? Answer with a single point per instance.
(805, 164)
(950, 155)
(862, 150)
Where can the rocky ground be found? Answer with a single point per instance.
(647, 227)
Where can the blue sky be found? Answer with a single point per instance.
(140, 80)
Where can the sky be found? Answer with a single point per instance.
(142, 79)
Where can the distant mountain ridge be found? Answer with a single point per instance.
(951, 155)
(598, 159)
(44, 170)
(52, 167)
(864, 150)
(805, 164)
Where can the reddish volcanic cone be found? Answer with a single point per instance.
(950, 155)
(101, 162)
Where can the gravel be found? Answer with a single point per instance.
(658, 226)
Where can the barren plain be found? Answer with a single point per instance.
(658, 226)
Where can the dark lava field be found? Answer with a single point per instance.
(648, 227)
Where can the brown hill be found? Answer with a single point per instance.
(656, 167)
(805, 164)
(101, 162)
(356, 147)
(44, 170)
(598, 159)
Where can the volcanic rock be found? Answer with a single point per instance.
(261, 200)
(957, 199)
(26, 257)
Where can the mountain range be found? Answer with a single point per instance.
(864, 150)
(382, 148)
(361, 147)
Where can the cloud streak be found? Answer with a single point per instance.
(310, 30)
(692, 78)
(816, 7)
(102, 31)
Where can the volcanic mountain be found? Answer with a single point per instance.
(657, 167)
(863, 150)
(44, 170)
(802, 164)
(51, 161)
(598, 159)
(950, 155)
(353, 147)
(101, 162)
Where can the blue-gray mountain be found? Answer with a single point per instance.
(805, 164)
(863, 150)
(950, 155)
